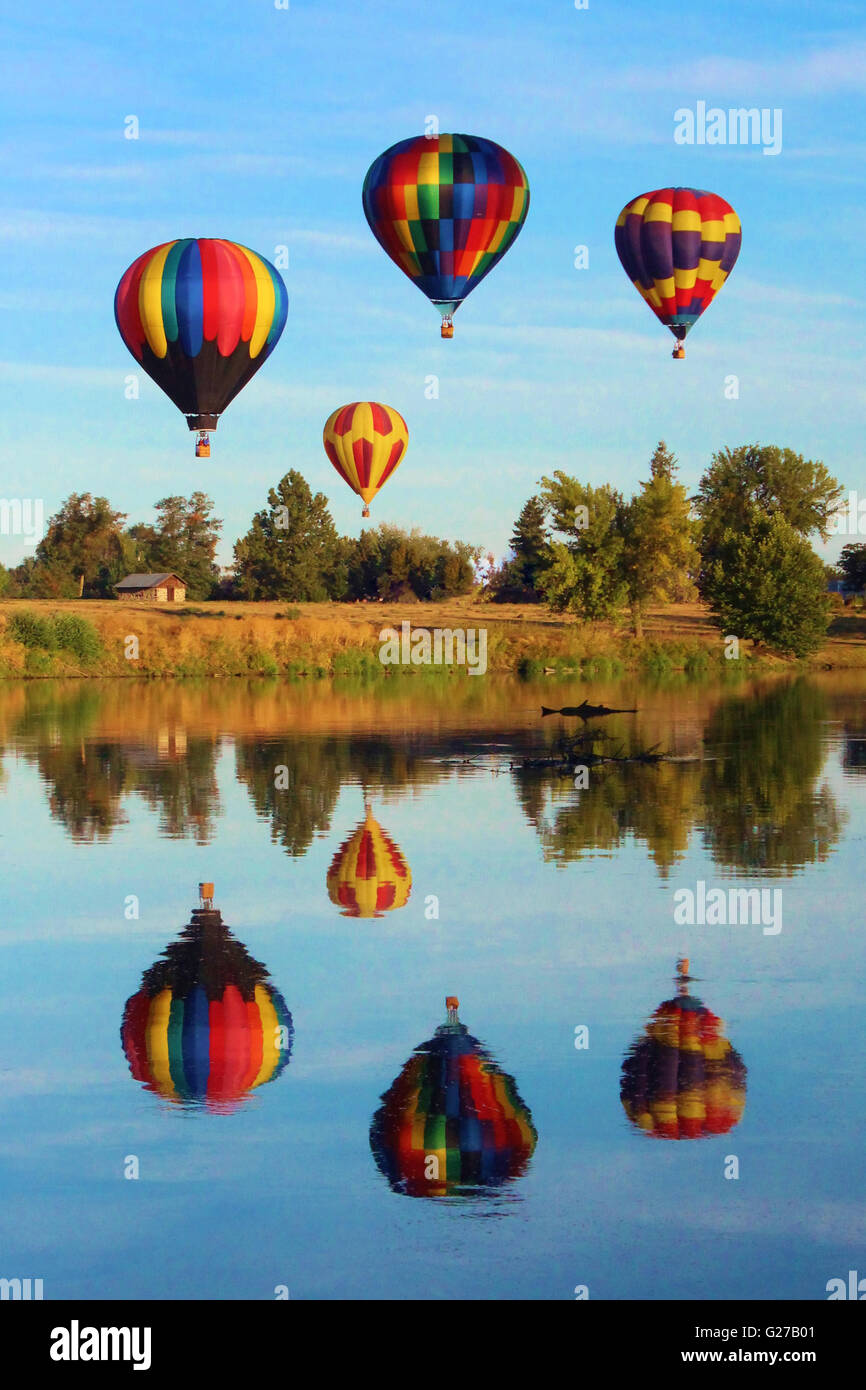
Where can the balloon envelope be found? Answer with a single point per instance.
(446, 208)
(201, 315)
(369, 874)
(682, 1079)
(207, 1026)
(678, 246)
(452, 1123)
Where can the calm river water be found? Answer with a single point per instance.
(263, 1090)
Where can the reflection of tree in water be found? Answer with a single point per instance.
(655, 804)
(86, 779)
(300, 800)
(85, 782)
(755, 797)
(183, 789)
(763, 809)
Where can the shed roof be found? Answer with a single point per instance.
(147, 581)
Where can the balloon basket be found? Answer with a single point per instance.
(202, 447)
(447, 328)
(366, 511)
(678, 354)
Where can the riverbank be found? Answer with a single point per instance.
(94, 638)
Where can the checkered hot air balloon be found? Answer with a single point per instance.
(365, 442)
(207, 1026)
(446, 208)
(678, 246)
(201, 315)
(453, 1123)
(369, 875)
(682, 1078)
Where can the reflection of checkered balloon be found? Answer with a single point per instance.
(446, 209)
(678, 246)
(369, 874)
(365, 442)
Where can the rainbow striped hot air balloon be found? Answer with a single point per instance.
(201, 315)
(453, 1123)
(207, 1026)
(678, 246)
(369, 875)
(446, 208)
(682, 1079)
(365, 442)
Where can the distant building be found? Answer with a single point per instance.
(153, 588)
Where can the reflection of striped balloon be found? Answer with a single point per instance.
(453, 1123)
(683, 1079)
(365, 442)
(201, 315)
(446, 209)
(368, 874)
(207, 1026)
(678, 246)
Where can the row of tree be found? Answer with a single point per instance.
(742, 544)
(292, 551)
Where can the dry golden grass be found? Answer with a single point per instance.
(219, 638)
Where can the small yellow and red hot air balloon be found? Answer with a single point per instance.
(365, 442)
(369, 875)
(682, 1079)
(207, 1026)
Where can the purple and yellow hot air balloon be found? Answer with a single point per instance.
(201, 315)
(453, 1123)
(207, 1026)
(678, 246)
(446, 208)
(682, 1078)
(369, 875)
(365, 442)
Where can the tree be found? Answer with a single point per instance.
(852, 563)
(766, 583)
(776, 481)
(292, 550)
(584, 574)
(390, 563)
(660, 551)
(530, 543)
(183, 540)
(81, 552)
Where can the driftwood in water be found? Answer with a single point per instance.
(585, 711)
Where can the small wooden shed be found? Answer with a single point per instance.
(153, 588)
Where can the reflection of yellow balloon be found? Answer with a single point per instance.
(365, 442)
(369, 874)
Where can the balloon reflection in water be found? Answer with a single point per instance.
(682, 1079)
(369, 875)
(207, 1026)
(453, 1123)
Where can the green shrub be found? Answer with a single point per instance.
(32, 631)
(78, 636)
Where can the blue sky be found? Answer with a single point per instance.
(259, 124)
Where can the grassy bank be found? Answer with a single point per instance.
(45, 638)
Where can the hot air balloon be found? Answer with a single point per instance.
(365, 442)
(206, 1026)
(678, 246)
(201, 315)
(682, 1078)
(453, 1123)
(369, 875)
(446, 208)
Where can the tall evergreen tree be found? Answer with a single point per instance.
(530, 542)
(660, 550)
(292, 550)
